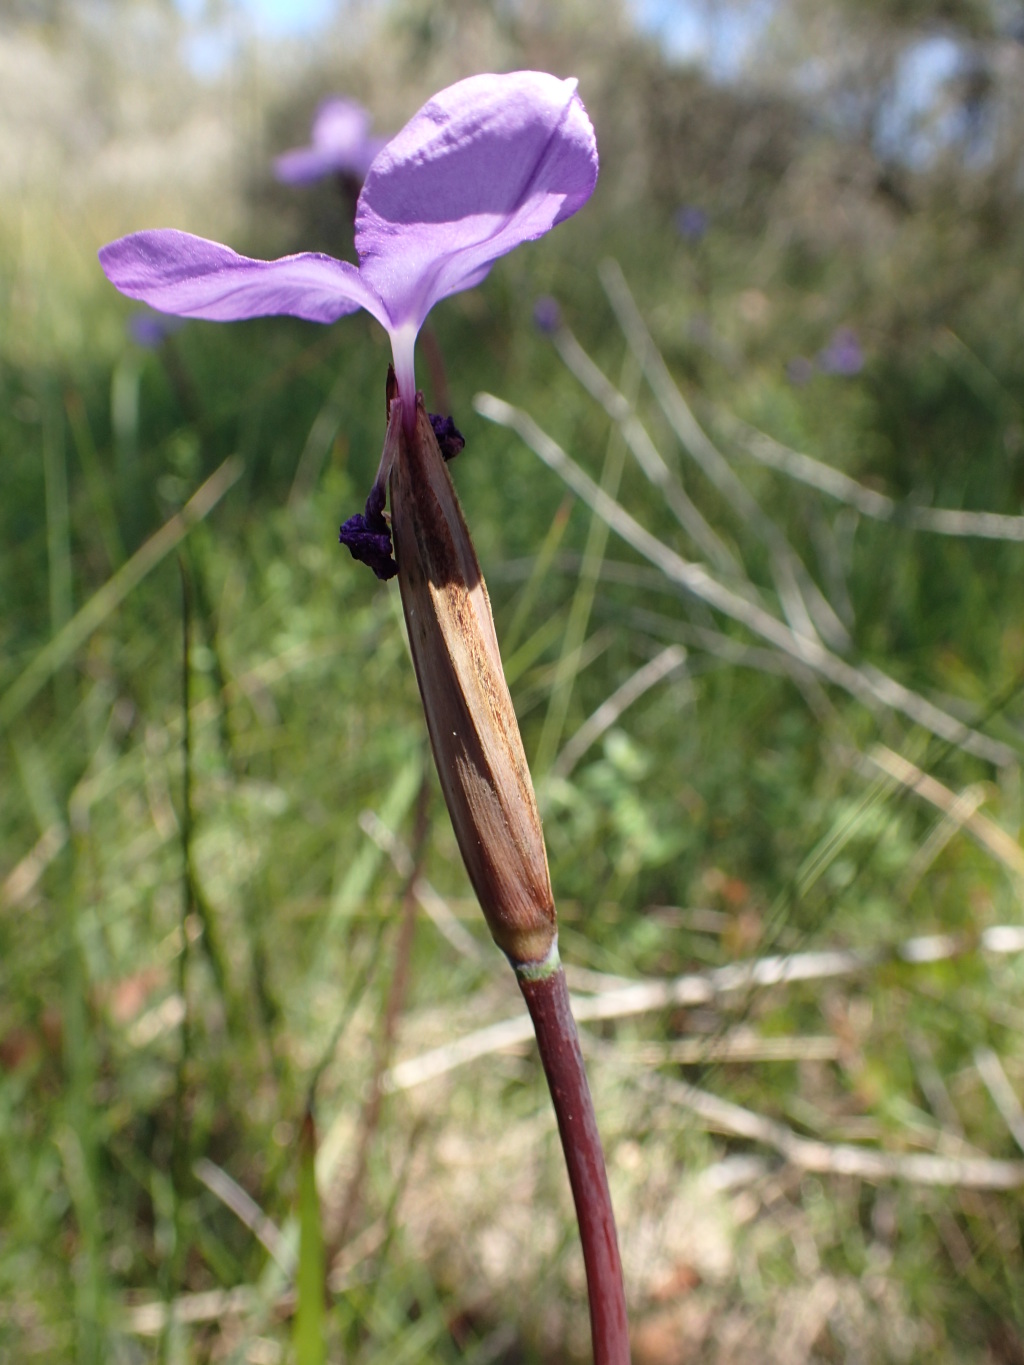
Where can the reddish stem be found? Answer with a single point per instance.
(548, 1002)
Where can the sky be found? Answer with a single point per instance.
(689, 29)
(293, 17)
(715, 36)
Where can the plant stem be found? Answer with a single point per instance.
(547, 999)
(373, 1104)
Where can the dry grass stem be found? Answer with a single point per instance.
(23, 877)
(430, 901)
(795, 586)
(825, 1158)
(741, 1046)
(244, 1207)
(1004, 1097)
(644, 997)
(662, 666)
(870, 686)
(879, 506)
(635, 434)
(214, 1305)
(991, 837)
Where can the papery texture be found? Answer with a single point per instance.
(470, 719)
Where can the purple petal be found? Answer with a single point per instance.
(340, 141)
(488, 163)
(175, 272)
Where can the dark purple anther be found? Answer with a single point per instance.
(449, 438)
(368, 536)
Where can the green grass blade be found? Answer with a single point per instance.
(104, 602)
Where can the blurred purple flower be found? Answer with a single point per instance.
(843, 354)
(150, 330)
(486, 164)
(340, 144)
(691, 222)
(800, 371)
(547, 316)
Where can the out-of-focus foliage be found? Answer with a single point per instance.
(823, 247)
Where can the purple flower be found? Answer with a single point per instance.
(340, 143)
(547, 315)
(843, 354)
(488, 163)
(151, 330)
(691, 222)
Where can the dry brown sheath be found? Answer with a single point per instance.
(473, 729)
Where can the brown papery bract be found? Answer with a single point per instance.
(473, 729)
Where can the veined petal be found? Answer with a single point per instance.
(490, 162)
(176, 272)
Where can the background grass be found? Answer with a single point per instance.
(208, 929)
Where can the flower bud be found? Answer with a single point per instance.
(473, 729)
